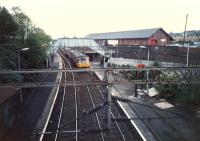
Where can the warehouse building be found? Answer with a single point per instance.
(155, 36)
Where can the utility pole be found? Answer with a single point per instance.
(148, 57)
(108, 92)
(117, 58)
(185, 29)
(109, 108)
(148, 71)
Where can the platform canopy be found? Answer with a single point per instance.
(79, 43)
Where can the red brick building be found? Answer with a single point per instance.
(155, 36)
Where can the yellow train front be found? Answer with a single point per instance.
(81, 60)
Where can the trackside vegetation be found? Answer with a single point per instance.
(186, 96)
(17, 32)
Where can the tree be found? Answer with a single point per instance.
(8, 31)
(20, 27)
(37, 42)
(38, 37)
(24, 23)
(32, 37)
(8, 27)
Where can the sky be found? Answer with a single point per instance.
(78, 18)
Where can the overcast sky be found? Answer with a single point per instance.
(80, 17)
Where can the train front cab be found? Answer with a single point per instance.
(83, 65)
(83, 62)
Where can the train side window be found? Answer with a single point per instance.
(79, 60)
(82, 59)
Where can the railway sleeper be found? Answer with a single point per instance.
(94, 130)
(96, 109)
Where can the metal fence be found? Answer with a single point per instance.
(134, 62)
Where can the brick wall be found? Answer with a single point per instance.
(160, 53)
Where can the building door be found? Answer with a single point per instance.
(152, 42)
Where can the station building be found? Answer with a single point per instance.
(154, 37)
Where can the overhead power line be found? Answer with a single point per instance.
(98, 69)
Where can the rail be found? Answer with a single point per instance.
(63, 98)
(75, 92)
(102, 136)
(118, 127)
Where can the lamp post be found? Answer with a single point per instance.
(47, 59)
(188, 51)
(19, 68)
(148, 65)
(117, 57)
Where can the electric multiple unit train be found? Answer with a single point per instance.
(81, 60)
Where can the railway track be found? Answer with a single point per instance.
(69, 122)
(70, 106)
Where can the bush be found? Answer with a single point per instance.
(187, 94)
(168, 90)
(156, 64)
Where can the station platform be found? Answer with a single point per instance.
(34, 109)
(158, 126)
(48, 108)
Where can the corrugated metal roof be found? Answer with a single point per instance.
(137, 34)
(78, 42)
(74, 42)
